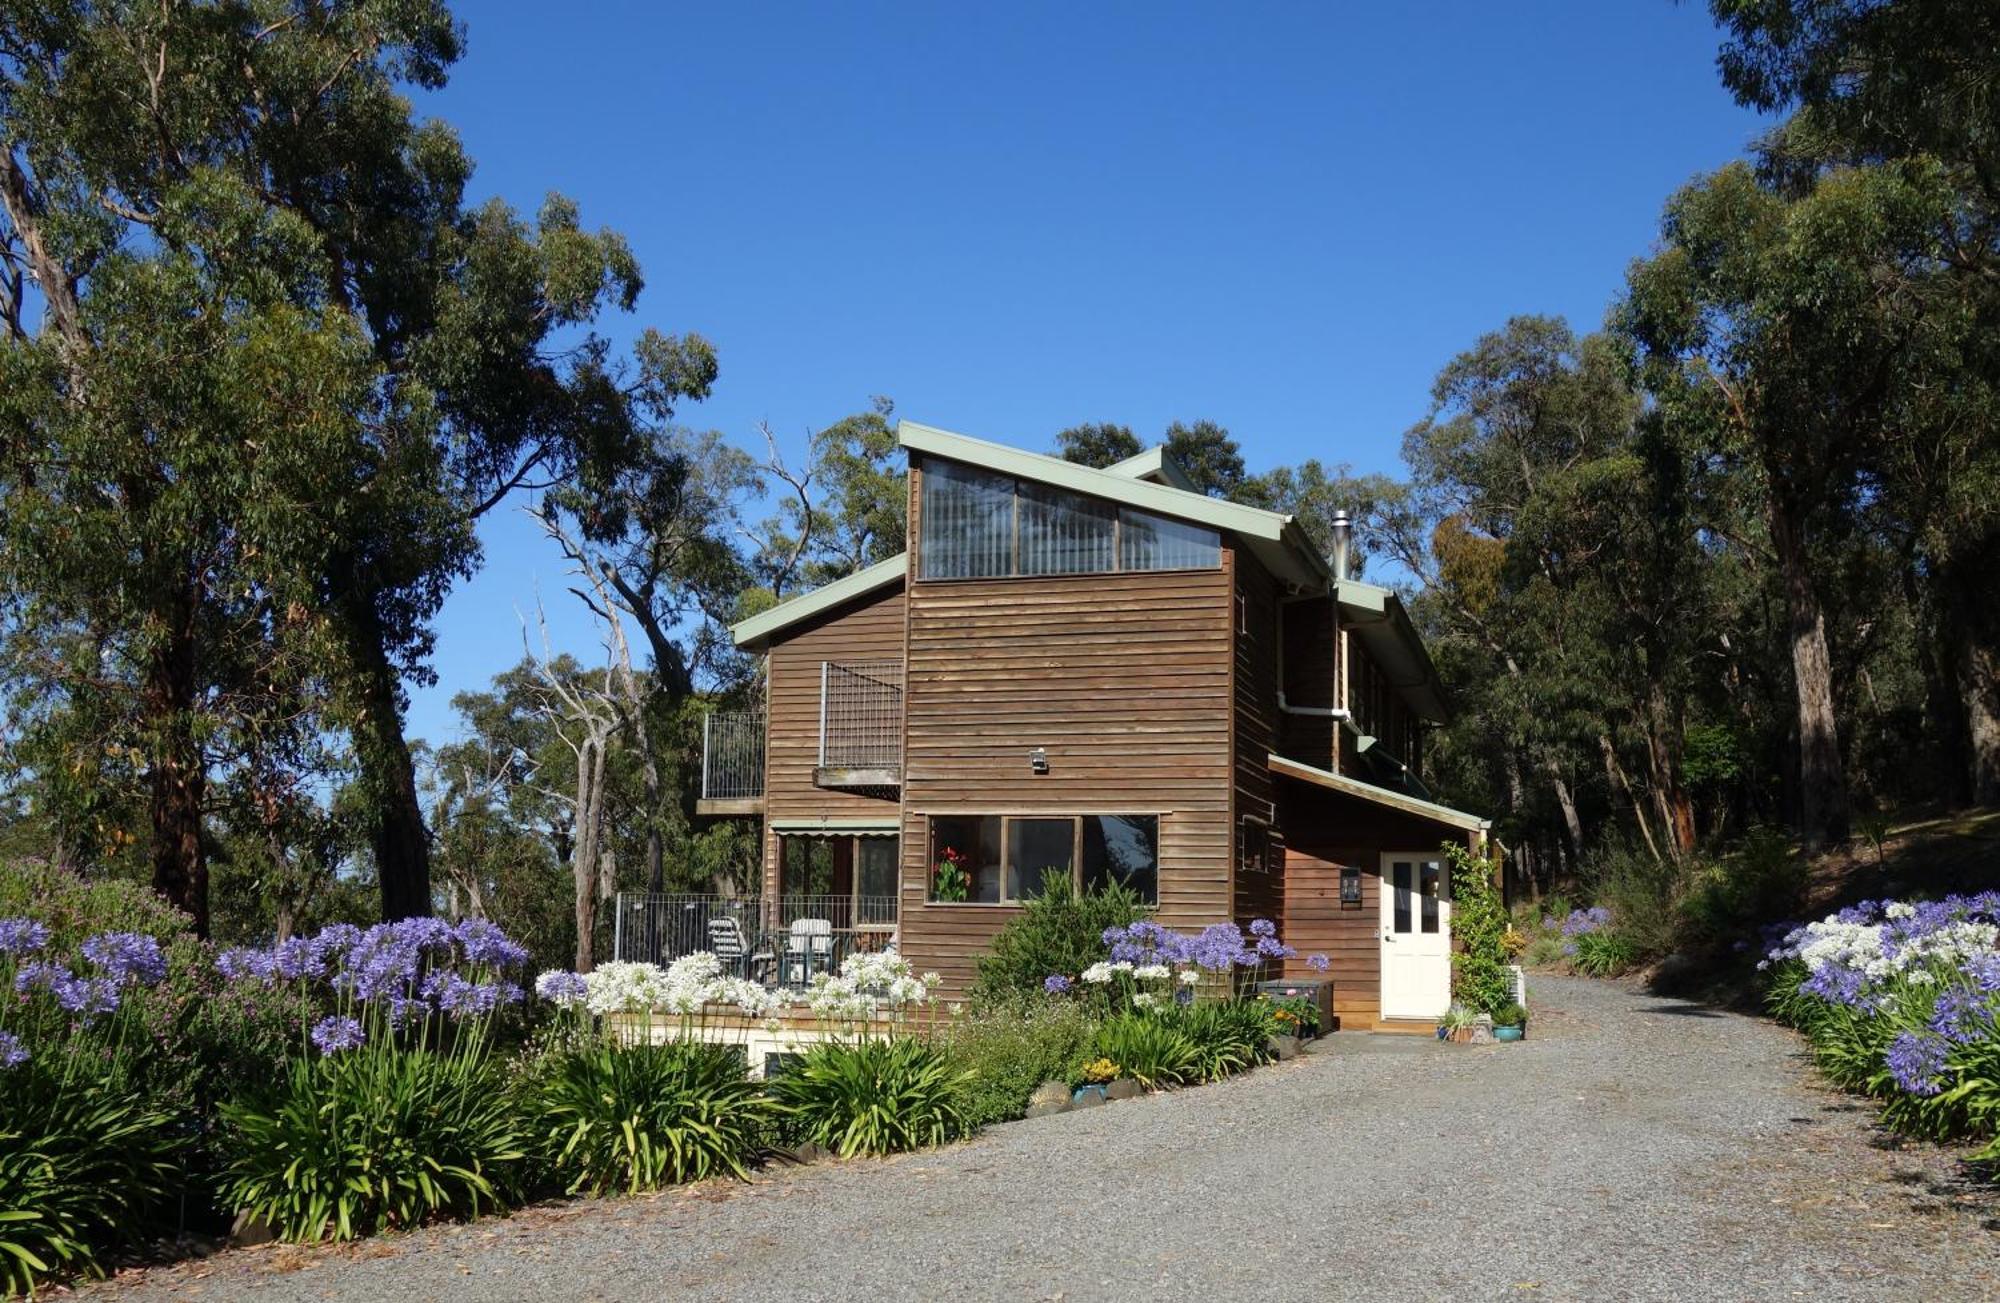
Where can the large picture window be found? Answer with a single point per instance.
(977, 525)
(1006, 859)
(968, 522)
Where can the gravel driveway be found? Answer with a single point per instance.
(1633, 1148)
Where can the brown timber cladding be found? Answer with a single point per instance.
(1125, 678)
(1326, 831)
(868, 629)
(1259, 893)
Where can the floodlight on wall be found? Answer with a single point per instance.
(1038, 760)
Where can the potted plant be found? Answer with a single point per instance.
(1510, 1022)
(1456, 1024)
(949, 881)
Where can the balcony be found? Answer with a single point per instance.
(776, 941)
(732, 763)
(860, 725)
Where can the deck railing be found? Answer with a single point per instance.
(776, 935)
(861, 715)
(732, 755)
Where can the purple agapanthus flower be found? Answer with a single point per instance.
(12, 1053)
(1263, 927)
(1580, 921)
(41, 973)
(1318, 963)
(1056, 984)
(22, 936)
(332, 1035)
(1962, 1016)
(127, 955)
(565, 989)
(88, 996)
(485, 943)
(1916, 1058)
(297, 959)
(242, 964)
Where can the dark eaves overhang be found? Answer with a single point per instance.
(1377, 617)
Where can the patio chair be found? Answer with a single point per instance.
(808, 949)
(725, 942)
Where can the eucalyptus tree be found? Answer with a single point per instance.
(280, 369)
(1788, 338)
(1914, 85)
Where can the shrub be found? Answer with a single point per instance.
(361, 1141)
(1601, 952)
(1510, 1015)
(874, 1096)
(1292, 1016)
(1060, 932)
(1643, 894)
(392, 1108)
(633, 1118)
(1228, 1035)
(1762, 882)
(1149, 1049)
(84, 1165)
(1480, 977)
(1006, 1053)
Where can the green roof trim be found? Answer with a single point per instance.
(760, 627)
(1381, 796)
(1157, 465)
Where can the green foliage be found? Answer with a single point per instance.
(633, 1118)
(1060, 931)
(1292, 1016)
(85, 1165)
(1005, 1051)
(1150, 1049)
(1603, 953)
(1479, 970)
(1510, 1015)
(874, 1096)
(1643, 895)
(373, 1139)
(1229, 1036)
(1764, 881)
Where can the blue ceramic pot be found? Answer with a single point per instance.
(1082, 1091)
(1509, 1033)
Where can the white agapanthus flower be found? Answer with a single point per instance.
(867, 984)
(1190, 976)
(1145, 1000)
(1152, 973)
(1097, 974)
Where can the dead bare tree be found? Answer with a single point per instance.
(586, 716)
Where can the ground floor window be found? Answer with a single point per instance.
(849, 880)
(1002, 859)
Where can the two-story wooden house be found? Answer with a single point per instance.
(1106, 675)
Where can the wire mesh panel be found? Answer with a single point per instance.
(861, 715)
(732, 755)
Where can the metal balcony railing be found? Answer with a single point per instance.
(779, 941)
(732, 755)
(860, 722)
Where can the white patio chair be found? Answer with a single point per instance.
(808, 949)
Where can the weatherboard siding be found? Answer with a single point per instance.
(867, 629)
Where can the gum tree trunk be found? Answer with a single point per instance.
(1823, 814)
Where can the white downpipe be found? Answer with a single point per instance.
(1313, 712)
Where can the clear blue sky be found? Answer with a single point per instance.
(1284, 218)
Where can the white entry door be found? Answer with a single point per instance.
(1416, 936)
